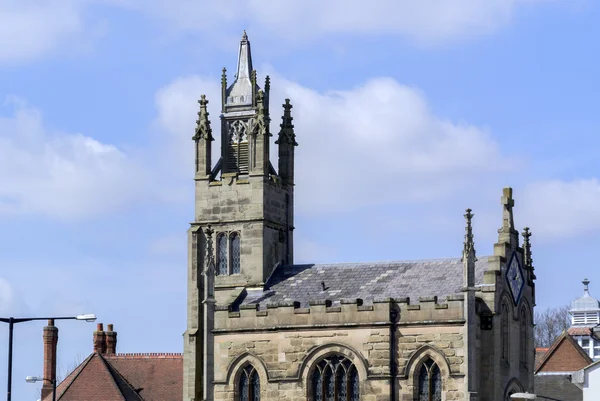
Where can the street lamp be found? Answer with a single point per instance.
(34, 379)
(12, 321)
(523, 396)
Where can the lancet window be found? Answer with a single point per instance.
(228, 254)
(505, 336)
(335, 378)
(249, 385)
(429, 387)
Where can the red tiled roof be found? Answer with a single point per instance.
(539, 356)
(565, 355)
(124, 377)
(579, 331)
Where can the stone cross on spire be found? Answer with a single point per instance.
(468, 256)
(507, 233)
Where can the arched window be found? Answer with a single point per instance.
(249, 385)
(429, 387)
(335, 378)
(505, 331)
(524, 351)
(235, 253)
(222, 255)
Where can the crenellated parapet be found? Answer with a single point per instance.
(347, 313)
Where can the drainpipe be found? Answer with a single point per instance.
(394, 317)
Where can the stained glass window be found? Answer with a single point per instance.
(222, 255)
(429, 387)
(335, 378)
(249, 386)
(235, 254)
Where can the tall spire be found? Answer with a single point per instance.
(286, 134)
(468, 256)
(203, 130)
(244, 89)
(244, 67)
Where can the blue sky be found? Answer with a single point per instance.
(435, 106)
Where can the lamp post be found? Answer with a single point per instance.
(12, 321)
(33, 379)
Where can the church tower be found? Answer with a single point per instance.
(244, 220)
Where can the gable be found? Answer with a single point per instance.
(565, 355)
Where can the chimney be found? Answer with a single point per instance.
(111, 340)
(50, 341)
(100, 339)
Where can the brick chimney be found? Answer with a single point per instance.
(100, 339)
(50, 342)
(111, 340)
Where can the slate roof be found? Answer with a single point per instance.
(556, 388)
(367, 281)
(124, 377)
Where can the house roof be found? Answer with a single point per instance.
(539, 355)
(556, 387)
(580, 331)
(124, 377)
(565, 355)
(367, 281)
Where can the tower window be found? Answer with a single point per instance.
(505, 331)
(222, 255)
(335, 378)
(237, 148)
(249, 385)
(430, 382)
(235, 253)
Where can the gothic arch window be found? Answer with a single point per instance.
(505, 331)
(235, 253)
(249, 384)
(429, 384)
(221, 254)
(335, 378)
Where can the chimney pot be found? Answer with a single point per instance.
(99, 327)
(111, 341)
(110, 327)
(100, 339)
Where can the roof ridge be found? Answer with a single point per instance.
(144, 355)
(565, 336)
(75, 373)
(114, 382)
(457, 258)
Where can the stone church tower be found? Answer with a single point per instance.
(262, 328)
(244, 218)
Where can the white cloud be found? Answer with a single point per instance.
(378, 143)
(558, 209)
(424, 21)
(60, 175)
(33, 28)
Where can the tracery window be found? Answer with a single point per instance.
(222, 255)
(429, 387)
(335, 378)
(249, 384)
(235, 253)
(505, 331)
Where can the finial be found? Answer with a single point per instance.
(267, 84)
(209, 244)
(286, 134)
(507, 233)
(244, 36)
(527, 247)
(469, 244)
(203, 130)
(586, 283)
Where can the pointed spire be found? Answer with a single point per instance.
(469, 244)
(203, 130)
(286, 134)
(469, 257)
(223, 88)
(267, 84)
(244, 67)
